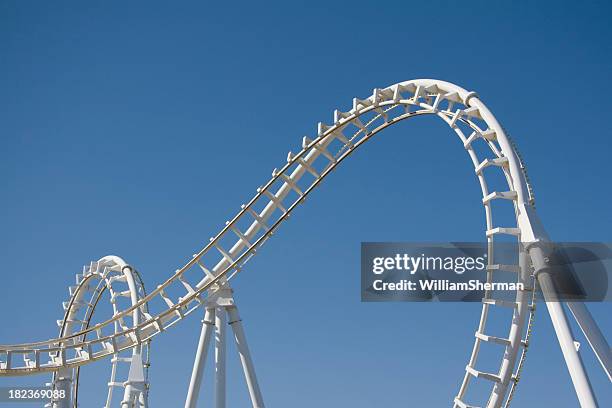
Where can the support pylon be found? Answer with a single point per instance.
(220, 308)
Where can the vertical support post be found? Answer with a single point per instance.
(594, 336)
(245, 357)
(574, 363)
(220, 308)
(220, 329)
(63, 383)
(143, 399)
(200, 359)
(579, 377)
(135, 386)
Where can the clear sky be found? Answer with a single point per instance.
(138, 128)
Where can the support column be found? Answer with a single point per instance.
(135, 385)
(143, 399)
(220, 348)
(562, 328)
(594, 336)
(200, 359)
(245, 357)
(63, 383)
(220, 308)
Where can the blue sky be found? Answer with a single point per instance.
(138, 129)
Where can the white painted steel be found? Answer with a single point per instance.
(208, 325)
(578, 374)
(109, 272)
(539, 252)
(220, 347)
(466, 115)
(593, 334)
(245, 357)
(220, 308)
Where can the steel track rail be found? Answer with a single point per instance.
(108, 272)
(457, 107)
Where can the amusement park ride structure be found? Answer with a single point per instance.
(203, 282)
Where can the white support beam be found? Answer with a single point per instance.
(245, 358)
(200, 360)
(221, 308)
(220, 351)
(566, 339)
(135, 385)
(593, 334)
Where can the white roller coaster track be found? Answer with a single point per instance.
(224, 256)
(115, 277)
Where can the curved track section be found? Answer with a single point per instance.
(501, 177)
(124, 286)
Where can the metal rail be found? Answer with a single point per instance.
(188, 287)
(109, 272)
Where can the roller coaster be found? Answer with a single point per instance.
(203, 282)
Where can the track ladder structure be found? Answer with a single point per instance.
(505, 188)
(124, 286)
